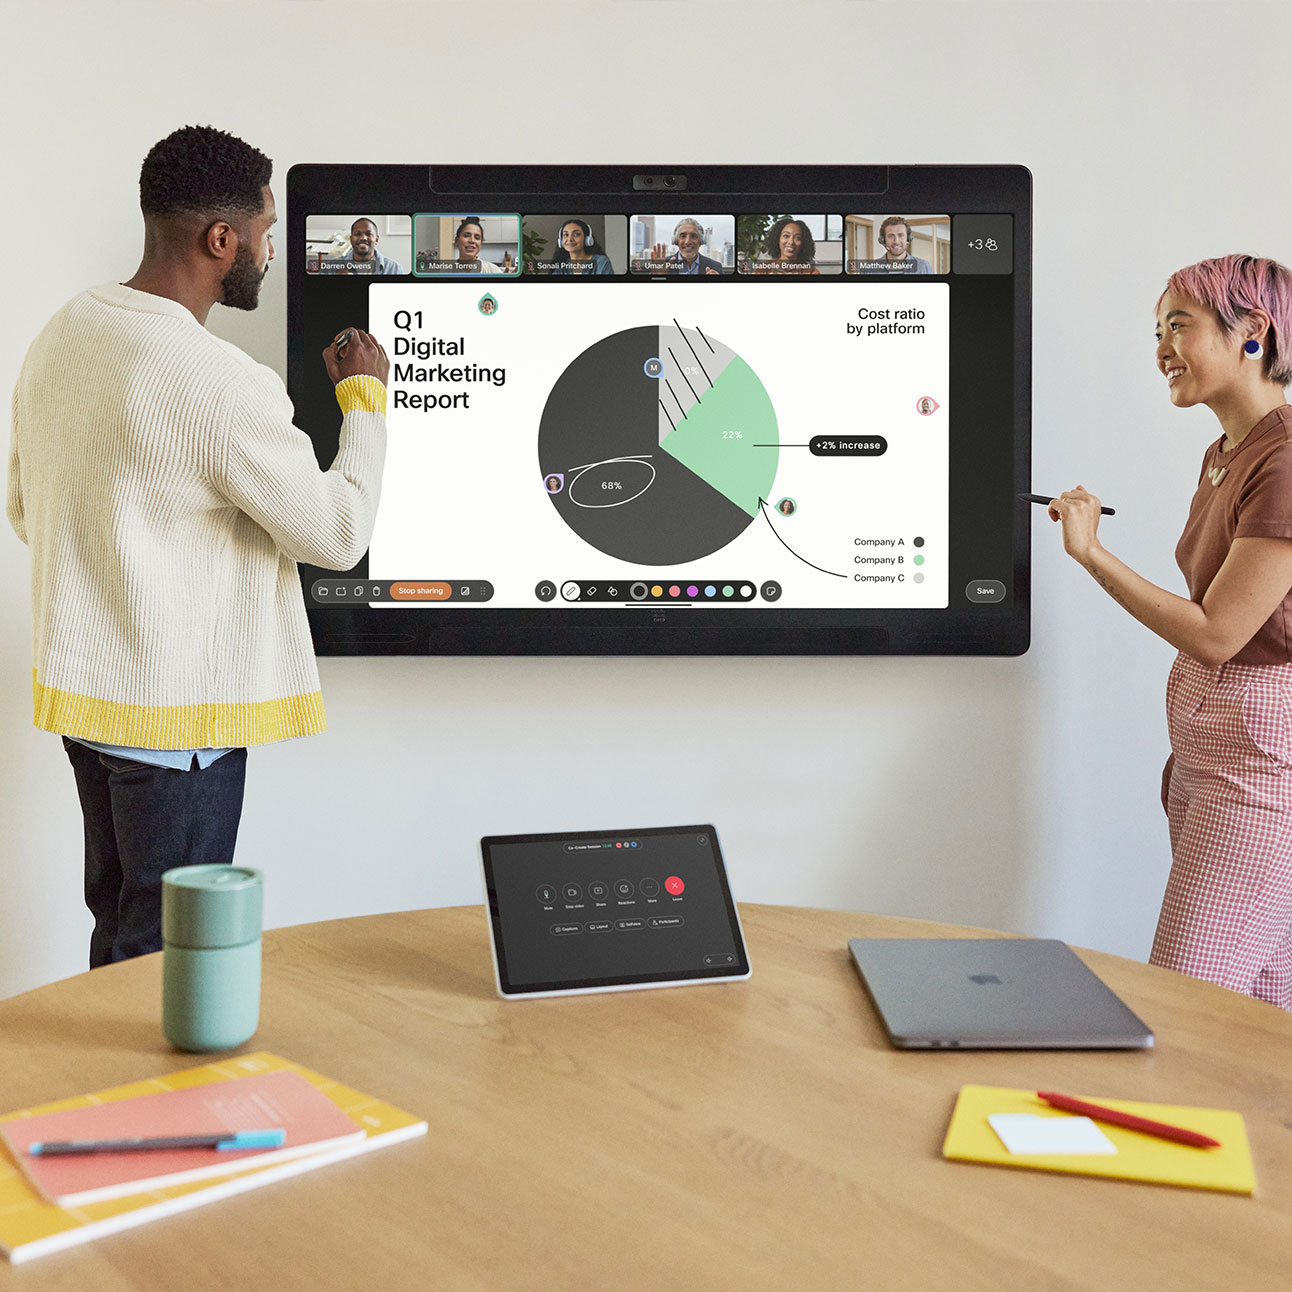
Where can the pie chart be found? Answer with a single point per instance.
(664, 439)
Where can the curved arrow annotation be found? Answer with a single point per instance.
(762, 504)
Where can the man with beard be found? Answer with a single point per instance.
(155, 473)
(689, 236)
(895, 234)
(363, 250)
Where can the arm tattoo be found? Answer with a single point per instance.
(1107, 587)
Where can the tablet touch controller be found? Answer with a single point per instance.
(604, 910)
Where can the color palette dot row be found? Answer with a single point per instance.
(694, 591)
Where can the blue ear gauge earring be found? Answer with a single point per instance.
(1252, 350)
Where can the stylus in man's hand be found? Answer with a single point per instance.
(1045, 502)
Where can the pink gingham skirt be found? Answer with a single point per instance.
(1227, 912)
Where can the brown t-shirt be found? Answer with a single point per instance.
(1252, 500)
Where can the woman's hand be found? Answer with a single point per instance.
(1249, 587)
(1078, 511)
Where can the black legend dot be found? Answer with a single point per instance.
(919, 542)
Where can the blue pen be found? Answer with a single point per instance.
(139, 1144)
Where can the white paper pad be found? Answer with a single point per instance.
(1030, 1133)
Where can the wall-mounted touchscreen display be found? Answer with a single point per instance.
(783, 412)
(603, 911)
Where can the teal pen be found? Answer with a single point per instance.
(140, 1144)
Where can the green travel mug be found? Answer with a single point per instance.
(211, 956)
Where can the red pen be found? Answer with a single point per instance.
(1129, 1120)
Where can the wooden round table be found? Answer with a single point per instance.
(755, 1135)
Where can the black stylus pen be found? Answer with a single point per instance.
(1045, 502)
(141, 1143)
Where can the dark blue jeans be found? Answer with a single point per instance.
(139, 821)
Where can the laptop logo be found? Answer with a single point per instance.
(982, 979)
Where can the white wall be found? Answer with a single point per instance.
(1020, 794)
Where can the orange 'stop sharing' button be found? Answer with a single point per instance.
(421, 591)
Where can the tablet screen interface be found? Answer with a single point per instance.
(588, 910)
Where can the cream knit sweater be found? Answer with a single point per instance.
(166, 496)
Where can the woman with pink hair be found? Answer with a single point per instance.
(1224, 339)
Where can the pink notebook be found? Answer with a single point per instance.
(275, 1100)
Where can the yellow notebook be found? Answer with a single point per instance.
(31, 1226)
(1139, 1157)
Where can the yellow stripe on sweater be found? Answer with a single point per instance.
(177, 726)
(361, 394)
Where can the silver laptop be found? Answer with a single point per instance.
(992, 994)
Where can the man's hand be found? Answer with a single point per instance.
(355, 353)
(659, 251)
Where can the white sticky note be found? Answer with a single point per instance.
(1029, 1133)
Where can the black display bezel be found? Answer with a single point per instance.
(663, 977)
(990, 447)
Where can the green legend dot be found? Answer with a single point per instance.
(919, 560)
(728, 590)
